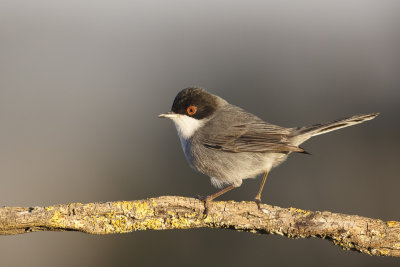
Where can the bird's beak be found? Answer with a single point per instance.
(168, 115)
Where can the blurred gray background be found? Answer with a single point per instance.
(82, 83)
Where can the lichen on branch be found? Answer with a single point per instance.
(351, 232)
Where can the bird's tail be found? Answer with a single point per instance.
(301, 134)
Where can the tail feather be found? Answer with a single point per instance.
(304, 133)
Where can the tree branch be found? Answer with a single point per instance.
(370, 236)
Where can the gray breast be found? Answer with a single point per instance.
(229, 168)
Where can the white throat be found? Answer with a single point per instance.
(186, 126)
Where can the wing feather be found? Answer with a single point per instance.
(235, 130)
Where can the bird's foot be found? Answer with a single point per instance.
(257, 200)
(206, 200)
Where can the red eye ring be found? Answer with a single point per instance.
(191, 110)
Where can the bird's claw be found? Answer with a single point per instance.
(258, 202)
(206, 201)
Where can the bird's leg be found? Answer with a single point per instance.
(208, 199)
(257, 199)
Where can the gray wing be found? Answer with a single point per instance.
(235, 130)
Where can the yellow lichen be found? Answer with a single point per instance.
(155, 224)
(49, 208)
(305, 212)
(190, 215)
(107, 223)
(57, 220)
(384, 252)
(181, 221)
(114, 223)
(127, 206)
(124, 205)
(141, 209)
(209, 219)
(392, 223)
(78, 224)
(148, 224)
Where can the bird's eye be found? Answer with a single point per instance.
(191, 110)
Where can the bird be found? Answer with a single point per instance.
(229, 144)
